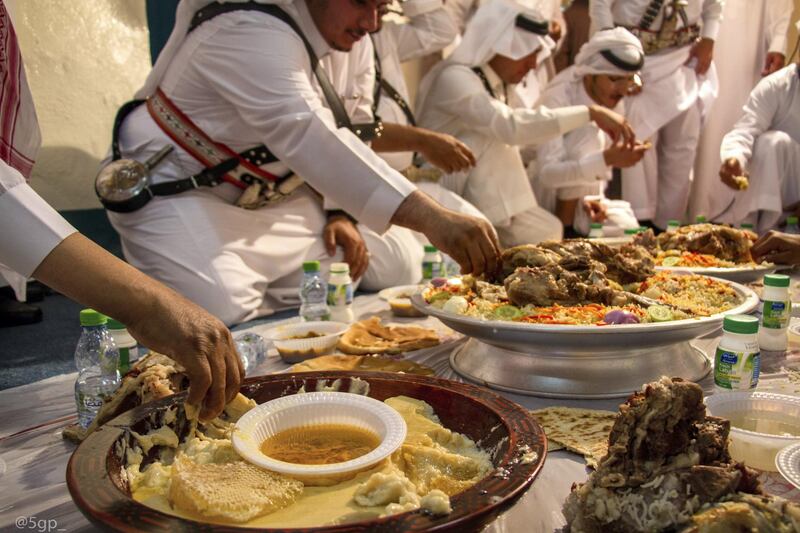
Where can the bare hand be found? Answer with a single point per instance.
(470, 241)
(729, 171)
(621, 155)
(341, 231)
(596, 210)
(201, 344)
(777, 247)
(703, 50)
(555, 30)
(446, 152)
(773, 63)
(155, 315)
(613, 124)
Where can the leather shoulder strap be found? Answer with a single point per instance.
(482, 75)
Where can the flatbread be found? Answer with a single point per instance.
(362, 362)
(371, 337)
(583, 431)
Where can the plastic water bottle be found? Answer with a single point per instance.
(340, 293)
(432, 264)
(97, 360)
(596, 230)
(313, 293)
(791, 226)
(252, 350)
(673, 225)
(700, 219)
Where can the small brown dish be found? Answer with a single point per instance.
(517, 444)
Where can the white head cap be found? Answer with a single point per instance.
(502, 27)
(614, 52)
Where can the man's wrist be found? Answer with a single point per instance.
(332, 214)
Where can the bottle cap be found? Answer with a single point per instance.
(340, 268)
(776, 280)
(596, 225)
(673, 222)
(429, 248)
(700, 219)
(631, 231)
(747, 226)
(114, 324)
(740, 324)
(90, 317)
(310, 266)
(791, 220)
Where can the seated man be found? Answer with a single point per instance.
(429, 29)
(234, 75)
(764, 146)
(466, 96)
(574, 169)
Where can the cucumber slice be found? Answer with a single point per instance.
(659, 313)
(671, 260)
(440, 296)
(507, 312)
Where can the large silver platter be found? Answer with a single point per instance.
(566, 361)
(567, 339)
(740, 274)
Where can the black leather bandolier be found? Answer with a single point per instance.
(258, 155)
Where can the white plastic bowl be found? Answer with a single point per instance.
(297, 350)
(757, 450)
(314, 408)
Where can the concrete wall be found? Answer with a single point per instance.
(83, 59)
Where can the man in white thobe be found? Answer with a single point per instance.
(429, 29)
(678, 86)
(572, 171)
(752, 41)
(37, 242)
(466, 96)
(245, 78)
(764, 145)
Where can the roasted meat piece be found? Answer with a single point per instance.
(666, 460)
(627, 264)
(526, 255)
(572, 281)
(724, 242)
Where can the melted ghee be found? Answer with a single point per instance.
(322, 444)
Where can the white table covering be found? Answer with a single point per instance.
(33, 455)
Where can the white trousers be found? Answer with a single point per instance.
(774, 183)
(529, 227)
(240, 264)
(658, 187)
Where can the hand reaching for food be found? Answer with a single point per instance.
(596, 210)
(625, 155)
(777, 247)
(733, 175)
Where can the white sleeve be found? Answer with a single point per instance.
(557, 169)
(30, 227)
(712, 17)
(464, 96)
(600, 13)
(776, 22)
(759, 114)
(278, 100)
(428, 30)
